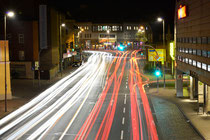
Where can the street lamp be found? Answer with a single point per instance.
(159, 19)
(61, 49)
(9, 14)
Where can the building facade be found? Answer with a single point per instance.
(104, 35)
(192, 40)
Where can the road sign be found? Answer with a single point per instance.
(157, 55)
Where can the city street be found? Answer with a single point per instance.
(102, 99)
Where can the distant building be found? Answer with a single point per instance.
(192, 39)
(102, 35)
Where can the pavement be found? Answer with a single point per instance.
(178, 115)
(23, 90)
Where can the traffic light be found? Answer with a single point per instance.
(157, 73)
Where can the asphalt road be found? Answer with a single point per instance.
(103, 99)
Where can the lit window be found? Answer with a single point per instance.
(186, 60)
(186, 50)
(208, 67)
(199, 64)
(194, 63)
(99, 28)
(190, 61)
(204, 66)
(128, 27)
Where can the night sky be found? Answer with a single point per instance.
(109, 10)
(103, 11)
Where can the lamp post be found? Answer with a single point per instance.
(61, 49)
(7, 14)
(159, 19)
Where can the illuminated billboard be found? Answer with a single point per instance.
(182, 12)
(157, 55)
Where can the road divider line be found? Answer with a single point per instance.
(121, 135)
(125, 99)
(123, 120)
(124, 110)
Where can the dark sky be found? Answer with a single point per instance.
(128, 10)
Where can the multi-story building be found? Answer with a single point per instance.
(192, 39)
(101, 35)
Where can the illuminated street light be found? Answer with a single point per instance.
(159, 19)
(63, 24)
(9, 14)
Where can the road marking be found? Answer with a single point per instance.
(125, 99)
(121, 136)
(126, 86)
(123, 120)
(124, 110)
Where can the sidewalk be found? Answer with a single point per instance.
(23, 90)
(187, 107)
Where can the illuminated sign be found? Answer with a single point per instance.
(182, 12)
(157, 55)
(172, 50)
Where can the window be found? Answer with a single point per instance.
(194, 40)
(184, 40)
(194, 63)
(183, 59)
(208, 53)
(199, 40)
(204, 66)
(115, 28)
(181, 40)
(190, 40)
(187, 40)
(204, 53)
(21, 55)
(199, 64)
(99, 28)
(199, 52)
(128, 27)
(209, 68)
(186, 50)
(208, 40)
(136, 27)
(194, 51)
(190, 61)
(204, 40)
(104, 28)
(21, 38)
(186, 60)
(190, 51)
(178, 40)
